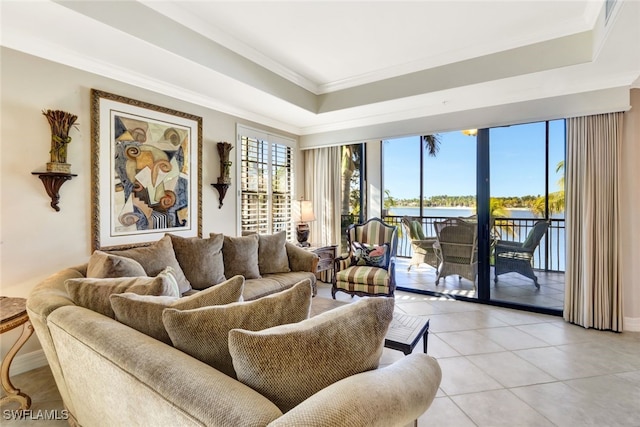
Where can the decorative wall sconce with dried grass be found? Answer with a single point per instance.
(58, 170)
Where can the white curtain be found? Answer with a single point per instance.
(593, 294)
(322, 185)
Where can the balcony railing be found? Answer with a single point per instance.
(549, 256)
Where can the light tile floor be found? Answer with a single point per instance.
(500, 367)
(505, 367)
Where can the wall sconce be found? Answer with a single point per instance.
(306, 215)
(224, 180)
(470, 132)
(58, 170)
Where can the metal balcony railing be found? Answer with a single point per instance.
(549, 256)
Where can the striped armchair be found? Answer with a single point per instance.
(369, 267)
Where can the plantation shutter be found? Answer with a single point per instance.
(265, 184)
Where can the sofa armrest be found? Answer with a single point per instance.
(300, 259)
(342, 262)
(391, 396)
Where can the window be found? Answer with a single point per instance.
(353, 205)
(265, 182)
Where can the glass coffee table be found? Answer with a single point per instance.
(405, 331)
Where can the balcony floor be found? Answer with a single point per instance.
(511, 287)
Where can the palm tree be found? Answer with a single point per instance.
(350, 160)
(431, 143)
(556, 199)
(498, 209)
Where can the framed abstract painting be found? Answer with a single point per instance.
(146, 172)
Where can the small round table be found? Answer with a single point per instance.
(13, 313)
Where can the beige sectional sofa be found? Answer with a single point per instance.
(301, 373)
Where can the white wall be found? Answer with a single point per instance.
(36, 241)
(629, 215)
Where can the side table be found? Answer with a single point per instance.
(13, 313)
(405, 331)
(325, 266)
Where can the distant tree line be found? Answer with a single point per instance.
(534, 203)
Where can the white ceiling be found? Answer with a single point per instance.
(332, 45)
(321, 67)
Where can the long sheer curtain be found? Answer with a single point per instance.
(322, 185)
(593, 294)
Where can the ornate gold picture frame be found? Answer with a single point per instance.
(146, 172)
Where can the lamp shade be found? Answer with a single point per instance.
(470, 132)
(306, 211)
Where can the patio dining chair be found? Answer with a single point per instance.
(425, 249)
(368, 269)
(517, 257)
(458, 241)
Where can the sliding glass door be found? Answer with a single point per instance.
(527, 214)
(504, 181)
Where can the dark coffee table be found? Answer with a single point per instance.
(405, 331)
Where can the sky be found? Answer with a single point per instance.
(517, 168)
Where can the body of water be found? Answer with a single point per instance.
(462, 211)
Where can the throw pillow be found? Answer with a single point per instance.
(200, 259)
(155, 258)
(272, 253)
(289, 363)
(204, 332)
(240, 256)
(94, 293)
(144, 312)
(104, 265)
(419, 233)
(371, 255)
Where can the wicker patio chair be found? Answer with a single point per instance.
(355, 274)
(458, 242)
(422, 247)
(517, 257)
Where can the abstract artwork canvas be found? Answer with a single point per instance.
(146, 171)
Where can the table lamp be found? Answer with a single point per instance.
(306, 215)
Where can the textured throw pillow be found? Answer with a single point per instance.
(203, 332)
(155, 258)
(240, 256)
(104, 265)
(200, 259)
(289, 363)
(371, 255)
(272, 253)
(94, 293)
(144, 312)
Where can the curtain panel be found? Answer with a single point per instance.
(593, 294)
(322, 185)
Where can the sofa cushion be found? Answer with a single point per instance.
(94, 293)
(240, 256)
(272, 253)
(157, 257)
(200, 259)
(289, 363)
(203, 332)
(144, 312)
(105, 265)
(275, 282)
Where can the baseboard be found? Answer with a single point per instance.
(27, 362)
(631, 324)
